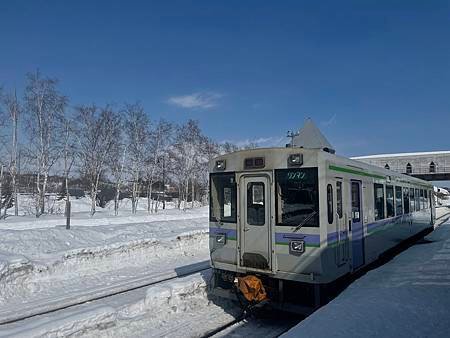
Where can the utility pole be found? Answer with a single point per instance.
(291, 135)
(14, 117)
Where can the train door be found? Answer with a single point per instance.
(341, 225)
(255, 237)
(356, 224)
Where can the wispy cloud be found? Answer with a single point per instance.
(261, 142)
(199, 100)
(330, 121)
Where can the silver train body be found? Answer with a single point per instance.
(309, 216)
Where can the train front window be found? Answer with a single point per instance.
(222, 201)
(297, 197)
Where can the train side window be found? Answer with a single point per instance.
(256, 210)
(398, 201)
(411, 200)
(422, 200)
(339, 206)
(406, 200)
(330, 203)
(425, 192)
(416, 199)
(390, 212)
(379, 201)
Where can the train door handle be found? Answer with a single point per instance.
(246, 229)
(349, 225)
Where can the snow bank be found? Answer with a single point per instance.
(77, 323)
(102, 217)
(407, 297)
(180, 295)
(52, 261)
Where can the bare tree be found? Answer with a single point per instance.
(228, 147)
(44, 106)
(12, 108)
(98, 132)
(137, 127)
(69, 153)
(158, 145)
(185, 157)
(117, 158)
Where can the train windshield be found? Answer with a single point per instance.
(223, 199)
(297, 200)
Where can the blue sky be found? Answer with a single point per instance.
(373, 75)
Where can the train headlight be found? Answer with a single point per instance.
(296, 247)
(221, 164)
(295, 160)
(221, 239)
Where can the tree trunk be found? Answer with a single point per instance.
(14, 155)
(116, 199)
(179, 196)
(156, 204)
(186, 193)
(150, 195)
(94, 190)
(193, 193)
(148, 198)
(38, 194)
(133, 199)
(14, 186)
(44, 188)
(93, 199)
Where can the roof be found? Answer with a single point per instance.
(425, 153)
(310, 137)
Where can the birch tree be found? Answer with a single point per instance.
(12, 108)
(137, 127)
(68, 146)
(158, 147)
(44, 106)
(185, 156)
(117, 158)
(98, 132)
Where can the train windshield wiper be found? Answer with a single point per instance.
(307, 218)
(218, 220)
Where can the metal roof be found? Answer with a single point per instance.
(425, 153)
(310, 137)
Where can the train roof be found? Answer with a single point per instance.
(353, 163)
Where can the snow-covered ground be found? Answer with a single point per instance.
(178, 308)
(42, 264)
(407, 297)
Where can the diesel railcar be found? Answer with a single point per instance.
(300, 218)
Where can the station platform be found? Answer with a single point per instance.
(409, 296)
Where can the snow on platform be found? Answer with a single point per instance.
(43, 264)
(407, 297)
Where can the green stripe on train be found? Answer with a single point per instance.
(356, 172)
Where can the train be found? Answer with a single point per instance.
(296, 220)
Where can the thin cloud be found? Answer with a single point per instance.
(330, 121)
(261, 142)
(199, 100)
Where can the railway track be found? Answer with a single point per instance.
(268, 324)
(251, 327)
(38, 309)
